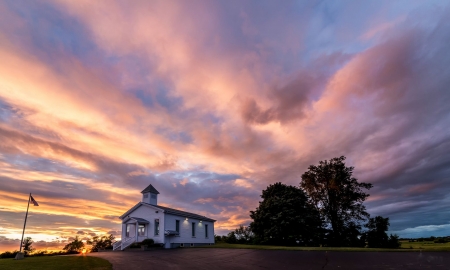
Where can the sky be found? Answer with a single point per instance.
(211, 102)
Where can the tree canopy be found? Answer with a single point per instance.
(241, 235)
(284, 216)
(376, 235)
(339, 197)
(75, 246)
(101, 242)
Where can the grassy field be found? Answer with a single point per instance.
(56, 262)
(430, 246)
(405, 247)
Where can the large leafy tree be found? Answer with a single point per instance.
(284, 216)
(339, 197)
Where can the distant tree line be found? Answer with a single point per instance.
(326, 209)
(443, 239)
(75, 246)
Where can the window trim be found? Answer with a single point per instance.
(139, 231)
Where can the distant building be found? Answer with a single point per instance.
(168, 226)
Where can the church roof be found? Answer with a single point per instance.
(183, 213)
(168, 211)
(150, 189)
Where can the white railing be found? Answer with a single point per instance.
(117, 245)
(127, 242)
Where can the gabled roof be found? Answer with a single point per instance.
(166, 210)
(150, 189)
(181, 213)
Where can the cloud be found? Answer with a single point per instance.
(218, 101)
(425, 231)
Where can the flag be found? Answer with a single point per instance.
(34, 201)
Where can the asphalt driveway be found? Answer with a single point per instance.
(215, 258)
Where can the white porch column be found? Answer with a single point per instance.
(137, 227)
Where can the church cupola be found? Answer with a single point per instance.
(150, 195)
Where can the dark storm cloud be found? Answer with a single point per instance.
(294, 98)
(407, 79)
(207, 192)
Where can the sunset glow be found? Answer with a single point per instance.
(212, 101)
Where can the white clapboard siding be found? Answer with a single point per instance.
(185, 236)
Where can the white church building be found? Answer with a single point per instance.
(170, 227)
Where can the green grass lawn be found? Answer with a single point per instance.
(430, 247)
(56, 262)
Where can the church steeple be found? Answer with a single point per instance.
(150, 195)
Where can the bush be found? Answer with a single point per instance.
(441, 240)
(9, 254)
(393, 241)
(217, 238)
(40, 253)
(135, 245)
(12, 254)
(149, 242)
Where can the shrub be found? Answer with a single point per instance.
(40, 253)
(441, 240)
(135, 245)
(149, 242)
(9, 254)
(393, 241)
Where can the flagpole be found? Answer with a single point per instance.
(25, 223)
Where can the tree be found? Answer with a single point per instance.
(339, 197)
(394, 241)
(217, 238)
(376, 235)
(27, 246)
(231, 238)
(75, 246)
(103, 242)
(243, 234)
(285, 217)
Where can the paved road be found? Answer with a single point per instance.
(215, 258)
